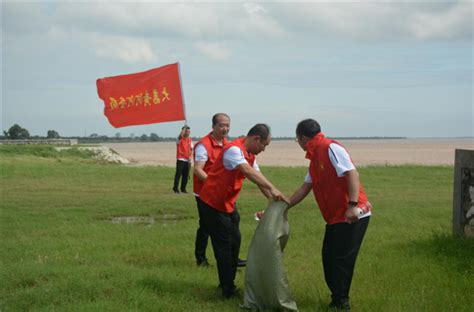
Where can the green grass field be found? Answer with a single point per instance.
(61, 251)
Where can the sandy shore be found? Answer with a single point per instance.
(288, 153)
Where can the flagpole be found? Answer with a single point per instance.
(182, 93)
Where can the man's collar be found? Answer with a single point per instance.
(214, 141)
(311, 145)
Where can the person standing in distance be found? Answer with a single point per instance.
(335, 183)
(205, 155)
(184, 153)
(220, 192)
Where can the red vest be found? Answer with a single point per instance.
(331, 191)
(184, 149)
(213, 149)
(222, 186)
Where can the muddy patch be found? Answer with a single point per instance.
(147, 220)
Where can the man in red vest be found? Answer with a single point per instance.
(184, 153)
(335, 183)
(220, 192)
(205, 155)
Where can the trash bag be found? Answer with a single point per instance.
(266, 285)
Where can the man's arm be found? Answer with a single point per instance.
(300, 194)
(199, 170)
(265, 192)
(345, 169)
(353, 183)
(259, 179)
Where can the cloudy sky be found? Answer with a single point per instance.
(385, 68)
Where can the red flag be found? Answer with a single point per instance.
(143, 98)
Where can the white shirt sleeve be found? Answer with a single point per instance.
(233, 156)
(255, 165)
(200, 153)
(340, 159)
(308, 179)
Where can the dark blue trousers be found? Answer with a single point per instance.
(225, 237)
(341, 246)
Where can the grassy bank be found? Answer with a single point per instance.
(61, 250)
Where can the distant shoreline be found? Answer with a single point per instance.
(102, 139)
(346, 138)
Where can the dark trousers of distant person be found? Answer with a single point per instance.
(182, 171)
(341, 245)
(202, 237)
(225, 238)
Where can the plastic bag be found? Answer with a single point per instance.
(266, 285)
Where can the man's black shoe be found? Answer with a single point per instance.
(175, 191)
(229, 294)
(203, 263)
(340, 305)
(241, 263)
(184, 192)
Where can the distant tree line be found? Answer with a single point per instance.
(16, 132)
(97, 138)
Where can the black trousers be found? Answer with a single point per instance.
(341, 246)
(202, 236)
(225, 238)
(182, 171)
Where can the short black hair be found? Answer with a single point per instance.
(262, 130)
(308, 127)
(185, 127)
(214, 118)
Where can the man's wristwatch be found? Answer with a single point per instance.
(353, 203)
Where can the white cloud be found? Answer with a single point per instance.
(254, 8)
(196, 21)
(258, 23)
(450, 23)
(149, 19)
(57, 33)
(129, 50)
(23, 18)
(243, 21)
(379, 21)
(214, 51)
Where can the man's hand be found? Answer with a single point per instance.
(277, 195)
(352, 214)
(300, 194)
(258, 178)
